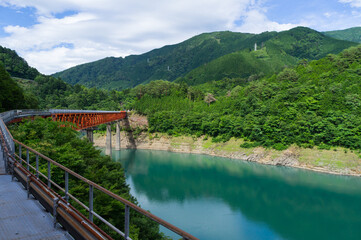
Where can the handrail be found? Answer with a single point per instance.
(92, 185)
(164, 223)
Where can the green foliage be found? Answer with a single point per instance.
(65, 146)
(168, 63)
(52, 92)
(351, 34)
(316, 103)
(207, 57)
(279, 50)
(15, 65)
(11, 95)
(49, 92)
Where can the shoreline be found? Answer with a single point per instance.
(337, 161)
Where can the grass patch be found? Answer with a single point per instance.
(336, 158)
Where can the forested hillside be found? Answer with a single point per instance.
(11, 95)
(62, 144)
(15, 65)
(172, 62)
(351, 34)
(284, 49)
(23, 87)
(315, 103)
(166, 63)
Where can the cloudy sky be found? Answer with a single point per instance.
(53, 35)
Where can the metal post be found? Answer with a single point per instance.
(20, 154)
(27, 159)
(37, 166)
(55, 206)
(91, 203)
(28, 185)
(126, 222)
(66, 186)
(49, 175)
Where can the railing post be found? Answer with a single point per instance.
(37, 166)
(91, 203)
(28, 185)
(27, 159)
(55, 206)
(49, 175)
(20, 154)
(126, 222)
(66, 186)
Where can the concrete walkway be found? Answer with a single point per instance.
(22, 218)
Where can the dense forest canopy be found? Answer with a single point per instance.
(315, 103)
(174, 61)
(11, 95)
(275, 97)
(351, 34)
(63, 143)
(15, 65)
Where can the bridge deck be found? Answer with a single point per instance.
(22, 218)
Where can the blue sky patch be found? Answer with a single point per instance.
(65, 45)
(65, 14)
(24, 17)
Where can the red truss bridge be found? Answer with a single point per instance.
(82, 119)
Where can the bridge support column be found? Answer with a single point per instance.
(108, 142)
(89, 135)
(117, 136)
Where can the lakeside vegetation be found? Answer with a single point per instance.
(64, 145)
(248, 95)
(316, 103)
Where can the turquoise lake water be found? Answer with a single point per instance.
(219, 198)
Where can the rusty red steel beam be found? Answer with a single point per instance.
(87, 120)
(82, 120)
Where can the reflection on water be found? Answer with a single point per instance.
(218, 198)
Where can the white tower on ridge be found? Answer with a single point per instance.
(255, 46)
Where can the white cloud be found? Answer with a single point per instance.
(101, 28)
(353, 3)
(255, 21)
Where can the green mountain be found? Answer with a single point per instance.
(351, 34)
(172, 62)
(316, 103)
(15, 65)
(168, 63)
(11, 95)
(284, 49)
(23, 87)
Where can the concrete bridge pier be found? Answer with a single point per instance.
(89, 134)
(108, 140)
(117, 136)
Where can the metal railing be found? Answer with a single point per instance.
(33, 173)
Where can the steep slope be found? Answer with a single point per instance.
(313, 104)
(174, 61)
(11, 95)
(168, 63)
(15, 65)
(284, 49)
(351, 34)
